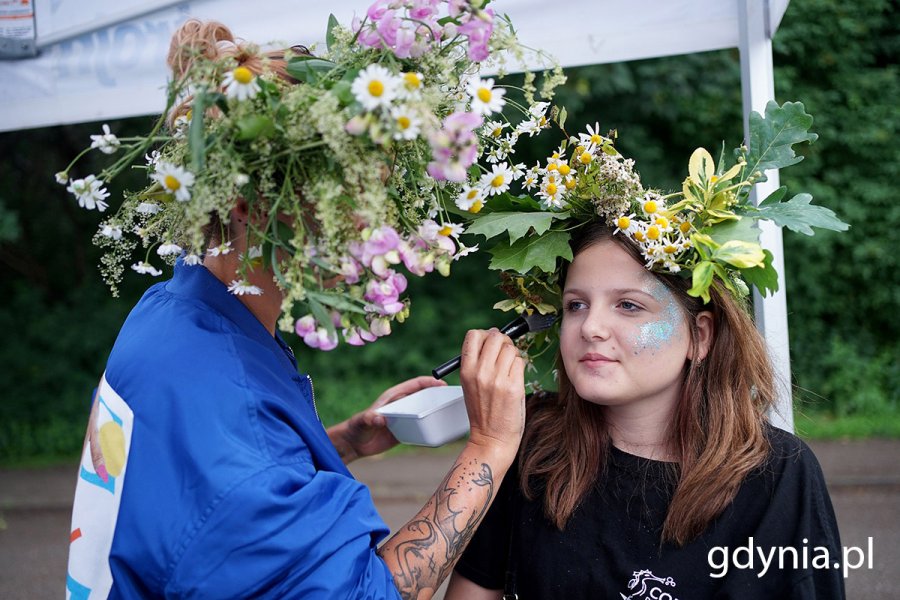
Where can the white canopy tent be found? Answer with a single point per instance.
(97, 60)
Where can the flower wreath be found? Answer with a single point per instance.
(353, 165)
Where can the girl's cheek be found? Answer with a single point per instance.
(658, 335)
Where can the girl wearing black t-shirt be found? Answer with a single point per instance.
(653, 472)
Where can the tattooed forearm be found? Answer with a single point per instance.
(424, 552)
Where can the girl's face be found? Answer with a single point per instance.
(624, 337)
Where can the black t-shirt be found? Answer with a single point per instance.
(610, 548)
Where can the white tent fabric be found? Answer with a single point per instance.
(100, 60)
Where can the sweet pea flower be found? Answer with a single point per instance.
(305, 326)
(380, 326)
(321, 339)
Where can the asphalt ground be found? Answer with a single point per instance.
(863, 479)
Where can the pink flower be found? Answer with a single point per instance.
(454, 147)
(321, 339)
(351, 270)
(478, 28)
(380, 326)
(305, 325)
(384, 294)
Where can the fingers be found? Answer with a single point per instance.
(406, 388)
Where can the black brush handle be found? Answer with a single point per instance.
(514, 330)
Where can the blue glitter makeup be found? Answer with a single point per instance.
(656, 334)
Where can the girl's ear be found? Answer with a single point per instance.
(705, 332)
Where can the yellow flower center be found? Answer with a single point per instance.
(653, 232)
(551, 189)
(662, 222)
(172, 183)
(650, 207)
(497, 131)
(446, 230)
(476, 207)
(579, 149)
(596, 139)
(497, 181)
(403, 122)
(685, 227)
(639, 236)
(623, 223)
(670, 249)
(542, 122)
(570, 184)
(484, 94)
(412, 80)
(473, 193)
(714, 179)
(242, 75)
(552, 167)
(189, 115)
(564, 170)
(376, 88)
(585, 158)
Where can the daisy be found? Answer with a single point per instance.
(452, 230)
(551, 193)
(406, 123)
(485, 99)
(494, 128)
(243, 287)
(651, 205)
(175, 180)
(593, 136)
(90, 193)
(470, 199)
(498, 180)
(410, 87)
(374, 87)
(168, 248)
(145, 268)
(240, 84)
(626, 224)
(465, 251)
(106, 142)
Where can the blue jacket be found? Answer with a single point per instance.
(233, 487)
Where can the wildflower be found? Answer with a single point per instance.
(410, 87)
(106, 142)
(192, 259)
(62, 178)
(243, 287)
(168, 248)
(111, 231)
(593, 135)
(498, 180)
(374, 87)
(485, 99)
(220, 250)
(495, 128)
(626, 224)
(90, 193)
(384, 294)
(153, 158)
(305, 325)
(321, 339)
(478, 27)
(145, 268)
(454, 147)
(451, 230)
(406, 123)
(175, 180)
(465, 251)
(240, 84)
(380, 326)
(148, 208)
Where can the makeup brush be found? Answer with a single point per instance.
(515, 329)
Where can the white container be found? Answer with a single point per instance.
(429, 417)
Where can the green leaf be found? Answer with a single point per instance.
(775, 197)
(307, 69)
(329, 35)
(772, 137)
(797, 214)
(743, 255)
(702, 279)
(342, 91)
(701, 167)
(338, 302)
(563, 115)
(764, 277)
(254, 126)
(322, 317)
(742, 230)
(506, 305)
(517, 224)
(506, 202)
(535, 251)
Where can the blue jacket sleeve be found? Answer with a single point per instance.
(286, 532)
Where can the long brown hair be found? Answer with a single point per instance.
(717, 431)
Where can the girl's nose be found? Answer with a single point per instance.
(595, 325)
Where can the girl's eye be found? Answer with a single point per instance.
(628, 306)
(573, 305)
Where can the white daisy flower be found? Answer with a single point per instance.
(485, 99)
(374, 87)
(62, 178)
(465, 251)
(529, 127)
(240, 84)
(651, 204)
(243, 287)
(168, 249)
(90, 193)
(220, 250)
(518, 170)
(152, 158)
(593, 136)
(470, 199)
(145, 268)
(106, 142)
(406, 122)
(494, 128)
(551, 192)
(148, 208)
(111, 231)
(410, 87)
(498, 180)
(626, 224)
(452, 230)
(175, 180)
(193, 259)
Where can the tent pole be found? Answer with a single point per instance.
(758, 87)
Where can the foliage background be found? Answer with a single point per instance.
(839, 58)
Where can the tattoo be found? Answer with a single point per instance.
(435, 539)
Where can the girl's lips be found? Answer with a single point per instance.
(595, 359)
